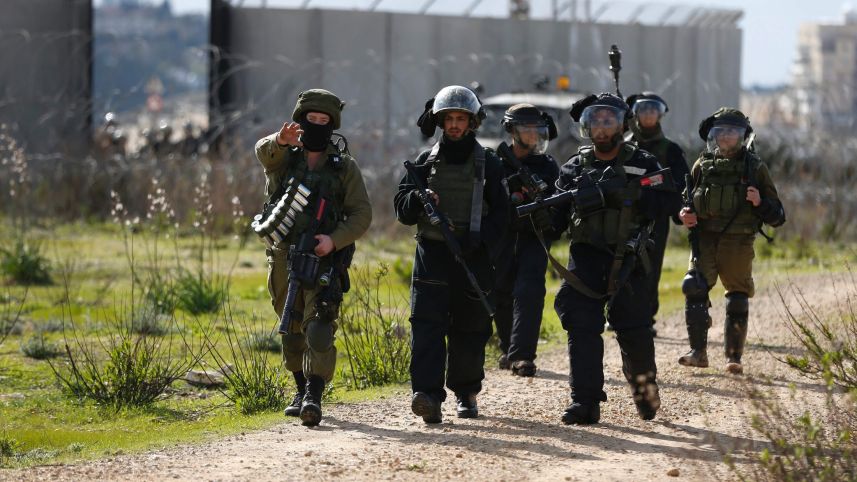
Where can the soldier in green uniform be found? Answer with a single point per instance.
(302, 152)
(733, 194)
(645, 129)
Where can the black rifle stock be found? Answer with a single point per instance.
(437, 218)
(303, 264)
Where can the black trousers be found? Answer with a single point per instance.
(583, 318)
(520, 287)
(449, 325)
(660, 232)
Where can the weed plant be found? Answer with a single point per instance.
(254, 382)
(123, 368)
(265, 341)
(374, 330)
(10, 314)
(811, 443)
(38, 347)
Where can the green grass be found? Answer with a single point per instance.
(42, 425)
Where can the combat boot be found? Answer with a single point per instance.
(524, 368)
(698, 322)
(311, 406)
(736, 335)
(294, 408)
(735, 331)
(503, 362)
(582, 413)
(466, 406)
(427, 407)
(647, 398)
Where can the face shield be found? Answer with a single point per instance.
(533, 137)
(648, 112)
(600, 118)
(725, 140)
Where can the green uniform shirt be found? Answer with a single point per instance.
(356, 210)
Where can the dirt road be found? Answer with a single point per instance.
(518, 435)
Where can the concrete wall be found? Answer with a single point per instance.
(45, 76)
(385, 65)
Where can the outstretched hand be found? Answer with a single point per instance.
(289, 135)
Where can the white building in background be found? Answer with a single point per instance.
(825, 74)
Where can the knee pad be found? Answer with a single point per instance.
(293, 342)
(696, 311)
(737, 305)
(319, 335)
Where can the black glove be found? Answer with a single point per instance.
(542, 219)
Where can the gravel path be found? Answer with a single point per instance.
(518, 435)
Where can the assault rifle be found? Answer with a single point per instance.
(437, 218)
(590, 194)
(636, 248)
(534, 186)
(303, 264)
(694, 283)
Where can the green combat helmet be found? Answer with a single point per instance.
(319, 100)
(725, 116)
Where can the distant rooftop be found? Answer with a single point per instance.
(624, 12)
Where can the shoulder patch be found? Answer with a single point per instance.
(635, 171)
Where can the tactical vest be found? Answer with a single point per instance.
(458, 186)
(657, 147)
(720, 196)
(328, 178)
(602, 228)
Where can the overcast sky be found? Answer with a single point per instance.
(770, 27)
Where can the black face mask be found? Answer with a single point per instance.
(315, 137)
(458, 151)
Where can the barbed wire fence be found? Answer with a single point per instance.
(813, 169)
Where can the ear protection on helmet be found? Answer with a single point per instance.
(427, 122)
(552, 132)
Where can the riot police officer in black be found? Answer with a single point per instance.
(449, 324)
(520, 281)
(648, 109)
(606, 232)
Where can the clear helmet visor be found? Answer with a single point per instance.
(532, 137)
(601, 117)
(648, 111)
(725, 140)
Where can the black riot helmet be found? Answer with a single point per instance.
(582, 111)
(448, 99)
(647, 102)
(529, 127)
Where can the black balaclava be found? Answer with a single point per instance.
(315, 137)
(456, 152)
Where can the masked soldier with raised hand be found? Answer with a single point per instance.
(297, 159)
(608, 219)
(520, 283)
(450, 320)
(647, 110)
(732, 195)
